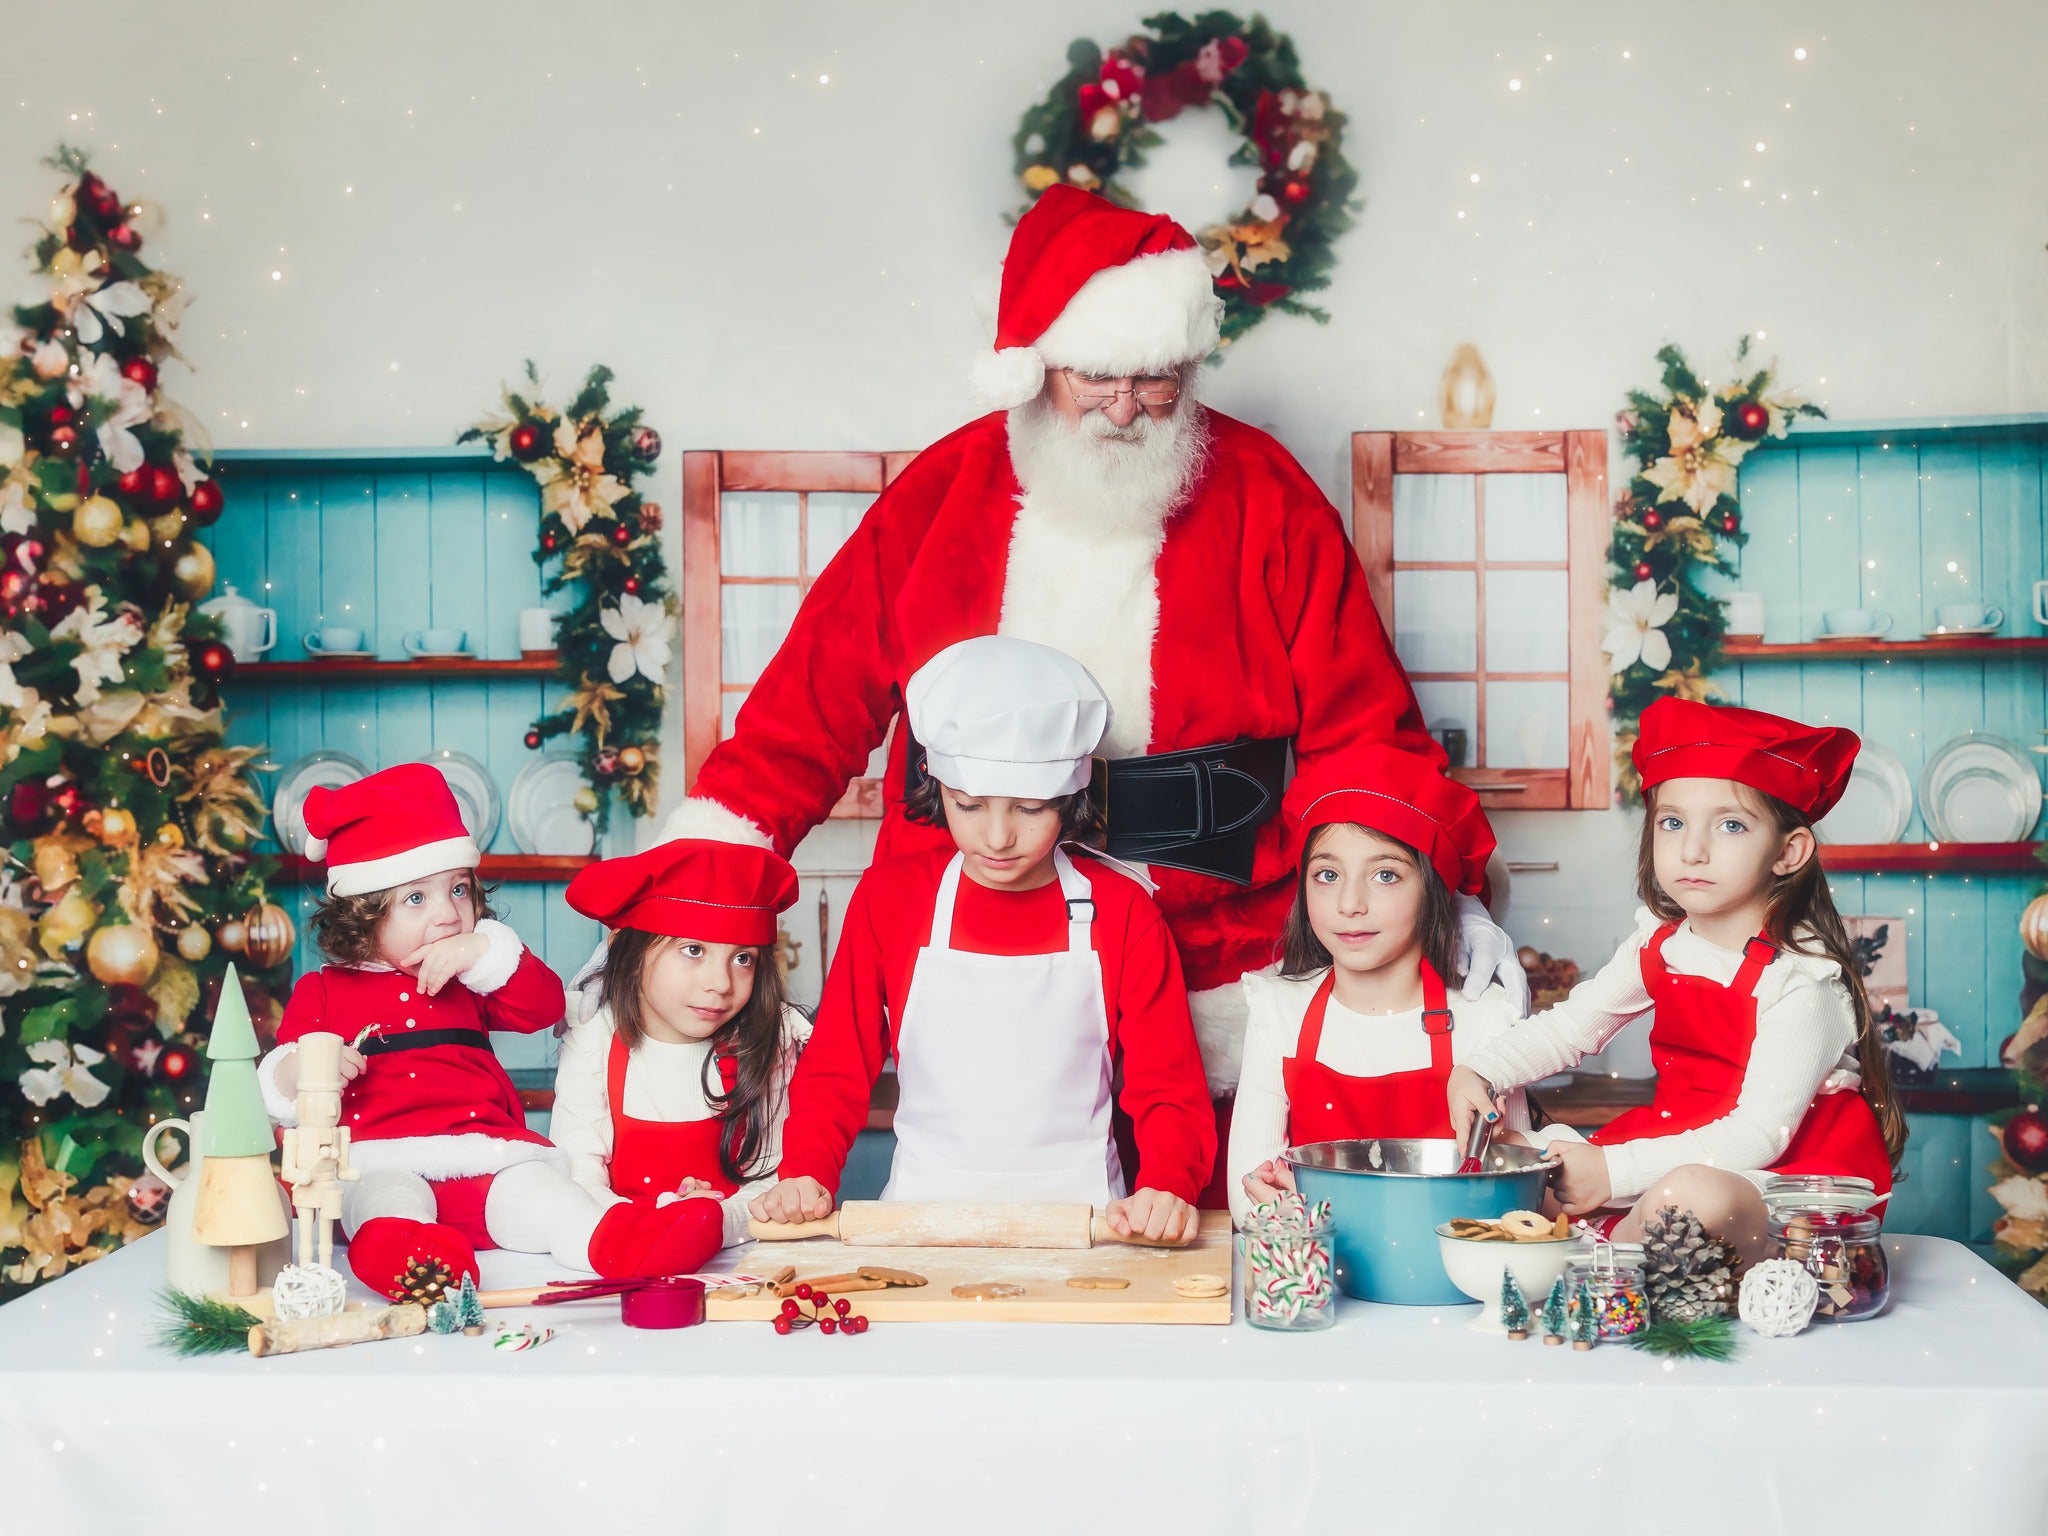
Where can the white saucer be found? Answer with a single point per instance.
(440, 655)
(1961, 629)
(313, 655)
(1869, 639)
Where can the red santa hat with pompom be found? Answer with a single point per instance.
(392, 828)
(1099, 289)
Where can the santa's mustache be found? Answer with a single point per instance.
(1094, 470)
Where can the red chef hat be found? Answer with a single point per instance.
(1806, 766)
(391, 828)
(722, 893)
(1103, 289)
(1403, 796)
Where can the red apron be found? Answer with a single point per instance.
(1325, 1105)
(652, 1157)
(1700, 1042)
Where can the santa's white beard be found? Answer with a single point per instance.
(1096, 475)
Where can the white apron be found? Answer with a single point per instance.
(1003, 1065)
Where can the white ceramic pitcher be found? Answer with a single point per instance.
(190, 1265)
(250, 630)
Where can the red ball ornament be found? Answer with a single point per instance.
(135, 483)
(61, 416)
(533, 741)
(2025, 1139)
(124, 238)
(621, 534)
(630, 586)
(176, 1062)
(139, 370)
(14, 589)
(28, 806)
(1295, 191)
(206, 503)
(549, 543)
(605, 765)
(1653, 519)
(647, 444)
(164, 485)
(1749, 420)
(528, 441)
(1643, 571)
(63, 441)
(1730, 522)
(214, 662)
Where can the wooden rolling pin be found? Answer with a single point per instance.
(902, 1224)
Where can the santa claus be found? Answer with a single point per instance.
(1183, 557)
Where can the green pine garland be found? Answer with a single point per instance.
(201, 1325)
(1097, 123)
(1702, 1338)
(1678, 521)
(614, 643)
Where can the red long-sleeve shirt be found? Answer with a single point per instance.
(1151, 1039)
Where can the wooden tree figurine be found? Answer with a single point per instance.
(1514, 1306)
(316, 1151)
(1554, 1313)
(237, 1208)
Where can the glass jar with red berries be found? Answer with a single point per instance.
(1841, 1246)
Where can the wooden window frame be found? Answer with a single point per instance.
(707, 476)
(1581, 457)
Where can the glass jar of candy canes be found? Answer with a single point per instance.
(1607, 1286)
(1289, 1272)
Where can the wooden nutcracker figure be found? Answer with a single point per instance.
(315, 1162)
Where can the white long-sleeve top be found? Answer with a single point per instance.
(1355, 1044)
(664, 1081)
(1805, 1045)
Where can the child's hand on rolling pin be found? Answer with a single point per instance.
(1267, 1181)
(1469, 1095)
(1582, 1182)
(1155, 1215)
(793, 1200)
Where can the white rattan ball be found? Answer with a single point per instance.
(1778, 1297)
(307, 1290)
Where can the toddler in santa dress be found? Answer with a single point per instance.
(676, 1087)
(1767, 1059)
(1025, 992)
(419, 975)
(1357, 1034)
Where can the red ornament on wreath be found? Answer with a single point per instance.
(139, 370)
(1643, 571)
(63, 441)
(528, 441)
(621, 534)
(124, 238)
(549, 543)
(214, 662)
(1749, 420)
(206, 503)
(533, 740)
(1731, 522)
(630, 586)
(1652, 519)
(647, 444)
(2025, 1139)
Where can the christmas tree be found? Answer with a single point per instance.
(1555, 1311)
(127, 820)
(1580, 1326)
(1514, 1306)
(2020, 1172)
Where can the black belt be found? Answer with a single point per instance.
(381, 1044)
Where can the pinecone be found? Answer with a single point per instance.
(1688, 1272)
(424, 1282)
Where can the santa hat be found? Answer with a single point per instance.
(1100, 289)
(392, 828)
(1402, 796)
(1001, 716)
(722, 893)
(1806, 766)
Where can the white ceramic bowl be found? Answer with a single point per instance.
(1475, 1268)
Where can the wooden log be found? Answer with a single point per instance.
(291, 1338)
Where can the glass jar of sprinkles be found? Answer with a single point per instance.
(1608, 1284)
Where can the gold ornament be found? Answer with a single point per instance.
(193, 570)
(631, 760)
(123, 955)
(1467, 398)
(195, 943)
(2034, 927)
(232, 935)
(585, 800)
(97, 522)
(167, 527)
(135, 537)
(117, 827)
(171, 835)
(67, 922)
(17, 959)
(56, 860)
(268, 935)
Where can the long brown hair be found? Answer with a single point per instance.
(752, 1037)
(1080, 817)
(345, 927)
(1436, 926)
(1800, 916)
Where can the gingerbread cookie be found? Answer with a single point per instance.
(1097, 1283)
(891, 1277)
(1201, 1287)
(987, 1290)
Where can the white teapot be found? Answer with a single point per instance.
(250, 630)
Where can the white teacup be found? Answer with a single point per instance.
(1968, 616)
(1856, 621)
(537, 629)
(435, 642)
(1745, 612)
(334, 637)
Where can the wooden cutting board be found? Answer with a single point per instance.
(1043, 1272)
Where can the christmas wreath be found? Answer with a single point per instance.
(1099, 121)
(614, 643)
(1677, 520)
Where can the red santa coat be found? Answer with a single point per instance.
(889, 919)
(441, 1111)
(1247, 615)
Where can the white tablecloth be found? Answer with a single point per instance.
(1931, 1418)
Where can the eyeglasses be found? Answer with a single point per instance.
(1092, 392)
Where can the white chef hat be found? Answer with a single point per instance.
(1000, 716)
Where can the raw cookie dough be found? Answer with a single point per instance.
(1098, 1283)
(987, 1290)
(1201, 1287)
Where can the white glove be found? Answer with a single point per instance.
(1485, 955)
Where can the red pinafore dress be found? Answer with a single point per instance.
(1326, 1105)
(651, 1157)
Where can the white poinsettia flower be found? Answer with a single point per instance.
(103, 643)
(1635, 627)
(50, 360)
(103, 381)
(104, 310)
(2022, 1197)
(13, 446)
(15, 516)
(30, 711)
(66, 1072)
(641, 630)
(1264, 208)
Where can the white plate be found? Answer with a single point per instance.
(475, 794)
(543, 811)
(1980, 789)
(330, 770)
(1961, 629)
(1878, 803)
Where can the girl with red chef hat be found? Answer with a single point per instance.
(675, 1088)
(1767, 1060)
(1357, 1034)
(419, 975)
(1025, 994)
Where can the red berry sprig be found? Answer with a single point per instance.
(830, 1314)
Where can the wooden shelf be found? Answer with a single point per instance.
(1855, 650)
(1592, 1099)
(513, 867)
(1905, 858)
(392, 671)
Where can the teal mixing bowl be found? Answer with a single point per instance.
(1388, 1197)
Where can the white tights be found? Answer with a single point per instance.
(530, 1208)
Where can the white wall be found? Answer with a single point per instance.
(772, 261)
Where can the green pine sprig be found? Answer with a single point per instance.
(1703, 1338)
(201, 1325)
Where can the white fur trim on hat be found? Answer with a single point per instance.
(1150, 315)
(402, 868)
(1004, 380)
(700, 817)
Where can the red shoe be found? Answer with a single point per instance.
(640, 1241)
(409, 1260)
